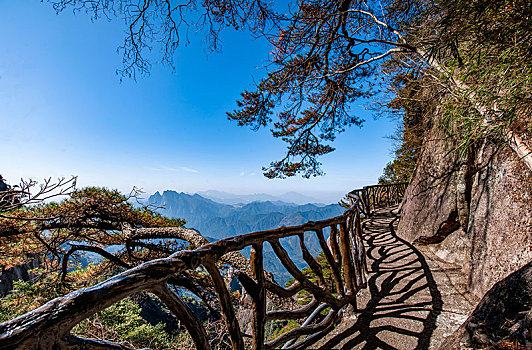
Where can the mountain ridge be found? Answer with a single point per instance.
(218, 220)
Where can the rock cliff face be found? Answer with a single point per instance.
(473, 210)
(15, 273)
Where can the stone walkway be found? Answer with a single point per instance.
(413, 300)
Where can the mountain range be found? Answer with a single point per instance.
(230, 198)
(216, 220)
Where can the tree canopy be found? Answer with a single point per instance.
(328, 54)
(88, 220)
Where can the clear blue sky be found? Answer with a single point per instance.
(64, 112)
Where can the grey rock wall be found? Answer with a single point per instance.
(474, 210)
(15, 273)
(500, 224)
(435, 203)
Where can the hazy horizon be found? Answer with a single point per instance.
(324, 197)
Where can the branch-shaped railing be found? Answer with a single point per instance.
(343, 255)
(378, 196)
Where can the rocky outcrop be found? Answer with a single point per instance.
(473, 209)
(502, 319)
(15, 273)
(430, 210)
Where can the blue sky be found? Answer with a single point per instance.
(65, 112)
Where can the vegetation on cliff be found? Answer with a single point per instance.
(89, 220)
(414, 105)
(478, 77)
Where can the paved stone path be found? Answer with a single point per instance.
(413, 300)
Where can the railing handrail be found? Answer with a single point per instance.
(386, 185)
(50, 324)
(373, 196)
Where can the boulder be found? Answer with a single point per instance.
(502, 319)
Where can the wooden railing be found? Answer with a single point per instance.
(378, 196)
(343, 258)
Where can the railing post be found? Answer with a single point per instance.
(259, 302)
(226, 305)
(361, 251)
(365, 199)
(374, 202)
(192, 323)
(330, 258)
(347, 263)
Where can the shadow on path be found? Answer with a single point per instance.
(400, 307)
